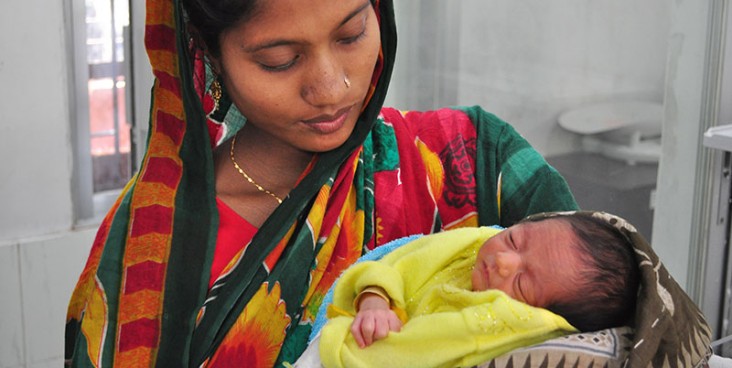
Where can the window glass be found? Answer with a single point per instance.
(107, 24)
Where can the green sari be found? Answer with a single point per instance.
(143, 298)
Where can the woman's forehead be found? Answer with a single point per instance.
(292, 17)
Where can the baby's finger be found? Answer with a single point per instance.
(356, 331)
(395, 324)
(367, 329)
(368, 326)
(381, 329)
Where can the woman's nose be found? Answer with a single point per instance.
(325, 84)
(507, 263)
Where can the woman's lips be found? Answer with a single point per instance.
(326, 124)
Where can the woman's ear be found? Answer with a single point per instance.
(199, 43)
(195, 36)
(215, 64)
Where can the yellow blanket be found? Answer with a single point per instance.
(449, 325)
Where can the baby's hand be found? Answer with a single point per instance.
(373, 321)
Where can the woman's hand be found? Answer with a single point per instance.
(374, 320)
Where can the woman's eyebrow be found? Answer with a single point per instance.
(267, 45)
(277, 43)
(355, 12)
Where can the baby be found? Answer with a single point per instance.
(464, 296)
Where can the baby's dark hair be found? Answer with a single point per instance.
(606, 294)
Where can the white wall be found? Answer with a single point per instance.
(40, 256)
(35, 185)
(36, 280)
(527, 61)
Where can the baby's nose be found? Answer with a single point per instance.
(507, 263)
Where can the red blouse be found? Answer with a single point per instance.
(233, 235)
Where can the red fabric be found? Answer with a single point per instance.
(157, 219)
(169, 125)
(147, 275)
(164, 37)
(405, 204)
(167, 172)
(234, 234)
(141, 332)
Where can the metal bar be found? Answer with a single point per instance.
(115, 91)
(699, 239)
(721, 341)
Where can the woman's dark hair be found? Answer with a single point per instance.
(606, 294)
(209, 18)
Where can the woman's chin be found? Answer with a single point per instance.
(320, 143)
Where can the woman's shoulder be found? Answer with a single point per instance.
(445, 124)
(446, 115)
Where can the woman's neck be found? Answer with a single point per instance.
(272, 160)
(273, 165)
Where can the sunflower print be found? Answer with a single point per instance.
(256, 337)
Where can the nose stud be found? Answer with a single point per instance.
(347, 82)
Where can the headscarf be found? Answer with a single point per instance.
(143, 297)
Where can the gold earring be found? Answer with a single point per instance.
(216, 93)
(347, 82)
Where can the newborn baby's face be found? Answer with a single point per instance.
(534, 262)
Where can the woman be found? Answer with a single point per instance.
(271, 166)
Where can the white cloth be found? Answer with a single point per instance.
(310, 358)
(717, 361)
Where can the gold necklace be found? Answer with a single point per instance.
(249, 178)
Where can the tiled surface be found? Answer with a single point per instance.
(49, 271)
(11, 323)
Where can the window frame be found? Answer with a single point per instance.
(88, 207)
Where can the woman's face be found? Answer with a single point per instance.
(535, 262)
(286, 67)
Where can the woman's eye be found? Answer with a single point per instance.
(279, 67)
(354, 31)
(353, 39)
